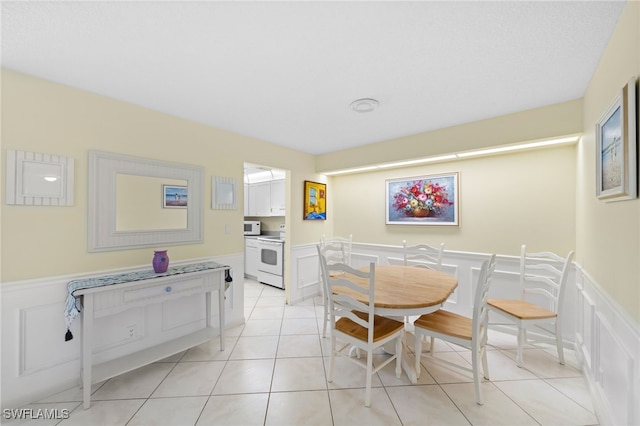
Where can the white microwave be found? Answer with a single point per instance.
(251, 227)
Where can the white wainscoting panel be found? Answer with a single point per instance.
(187, 311)
(305, 274)
(608, 343)
(114, 331)
(308, 272)
(36, 347)
(614, 371)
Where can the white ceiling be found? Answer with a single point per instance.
(286, 72)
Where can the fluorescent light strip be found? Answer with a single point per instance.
(398, 164)
(360, 169)
(420, 161)
(517, 147)
(559, 141)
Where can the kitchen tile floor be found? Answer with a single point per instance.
(273, 372)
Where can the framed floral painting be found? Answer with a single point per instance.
(424, 200)
(315, 201)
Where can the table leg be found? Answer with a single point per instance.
(408, 359)
(87, 348)
(221, 313)
(408, 364)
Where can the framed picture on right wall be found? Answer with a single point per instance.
(617, 147)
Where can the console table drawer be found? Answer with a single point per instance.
(166, 290)
(140, 293)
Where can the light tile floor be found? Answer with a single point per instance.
(274, 368)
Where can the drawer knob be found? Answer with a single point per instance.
(167, 289)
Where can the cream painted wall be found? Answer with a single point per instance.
(41, 116)
(506, 200)
(608, 234)
(540, 123)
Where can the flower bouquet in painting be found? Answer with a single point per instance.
(425, 200)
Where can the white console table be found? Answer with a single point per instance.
(111, 294)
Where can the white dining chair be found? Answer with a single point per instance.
(421, 255)
(335, 250)
(355, 323)
(341, 251)
(542, 275)
(470, 333)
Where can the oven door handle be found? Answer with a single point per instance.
(269, 242)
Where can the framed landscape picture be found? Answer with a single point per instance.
(174, 197)
(424, 200)
(617, 148)
(315, 201)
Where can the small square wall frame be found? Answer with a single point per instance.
(37, 179)
(223, 193)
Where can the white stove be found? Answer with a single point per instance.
(271, 259)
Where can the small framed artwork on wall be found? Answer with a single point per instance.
(423, 200)
(174, 197)
(617, 148)
(315, 201)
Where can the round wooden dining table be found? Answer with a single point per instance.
(405, 290)
(402, 291)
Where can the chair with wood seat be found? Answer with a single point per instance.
(470, 333)
(335, 250)
(543, 279)
(423, 255)
(355, 323)
(340, 248)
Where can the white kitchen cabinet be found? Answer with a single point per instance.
(265, 198)
(260, 199)
(277, 198)
(251, 257)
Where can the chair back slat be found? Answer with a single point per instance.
(338, 249)
(423, 255)
(545, 255)
(543, 266)
(348, 302)
(544, 274)
(344, 307)
(553, 283)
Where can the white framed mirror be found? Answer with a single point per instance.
(223, 195)
(37, 179)
(137, 202)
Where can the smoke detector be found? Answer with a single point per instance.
(364, 105)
